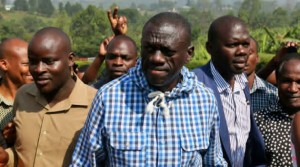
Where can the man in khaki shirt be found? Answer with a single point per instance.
(51, 112)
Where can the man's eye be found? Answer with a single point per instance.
(110, 56)
(49, 62)
(33, 62)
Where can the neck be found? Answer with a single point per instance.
(8, 89)
(60, 94)
(290, 111)
(251, 78)
(169, 86)
(227, 76)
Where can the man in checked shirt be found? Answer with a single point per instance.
(158, 114)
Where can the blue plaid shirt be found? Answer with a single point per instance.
(263, 94)
(121, 132)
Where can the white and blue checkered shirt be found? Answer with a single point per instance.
(237, 113)
(263, 94)
(120, 131)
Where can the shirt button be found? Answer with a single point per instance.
(41, 153)
(161, 141)
(44, 132)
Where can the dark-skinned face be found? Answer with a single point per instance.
(121, 56)
(288, 82)
(253, 59)
(49, 63)
(18, 63)
(231, 49)
(164, 52)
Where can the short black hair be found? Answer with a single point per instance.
(287, 57)
(226, 20)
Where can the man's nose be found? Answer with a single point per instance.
(157, 57)
(40, 67)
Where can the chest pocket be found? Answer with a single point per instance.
(128, 147)
(192, 149)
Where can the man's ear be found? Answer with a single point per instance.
(71, 58)
(190, 52)
(208, 47)
(3, 65)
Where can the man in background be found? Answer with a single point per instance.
(14, 69)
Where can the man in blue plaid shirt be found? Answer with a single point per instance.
(158, 114)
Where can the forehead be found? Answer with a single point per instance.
(234, 30)
(46, 46)
(122, 46)
(164, 34)
(290, 67)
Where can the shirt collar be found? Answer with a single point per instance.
(258, 84)
(222, 85)
(187, 83)
(78, 97)
(5, 101)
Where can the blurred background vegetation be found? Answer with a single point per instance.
(270, 24)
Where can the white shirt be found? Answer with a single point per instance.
(237, 113)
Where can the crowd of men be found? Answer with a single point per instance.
(152, 110)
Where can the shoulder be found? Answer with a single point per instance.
(27, 89)
(118, 84)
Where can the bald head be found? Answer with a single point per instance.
(121, 56)
(14, 61)
(129, 42)
(173, 19)
(51, 37)
(12, 47)
(50, 61)
(223, 24)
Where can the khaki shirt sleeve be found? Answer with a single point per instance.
(12, 157)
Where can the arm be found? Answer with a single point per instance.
(268, 72)
(89, 150)
(91, 73)
(214, 154)
(119, 27)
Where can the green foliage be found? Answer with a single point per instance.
(88, 28)
(199, 21)
(249, 11)
(45, 7)
(72, 9)
(33, 5)
(20, 5)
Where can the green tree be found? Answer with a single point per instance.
(68, 7)
(60, 7)
(72, 9)
(45, 7)
(249, 11)
(280, 18)
(20, 5)
(2, 3)
(32, 5)
(88, 28)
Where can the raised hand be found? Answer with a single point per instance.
(103, 45)
(118, 23)
(288, 47)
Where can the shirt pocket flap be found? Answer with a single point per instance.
(127, 140)
(190, 142)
